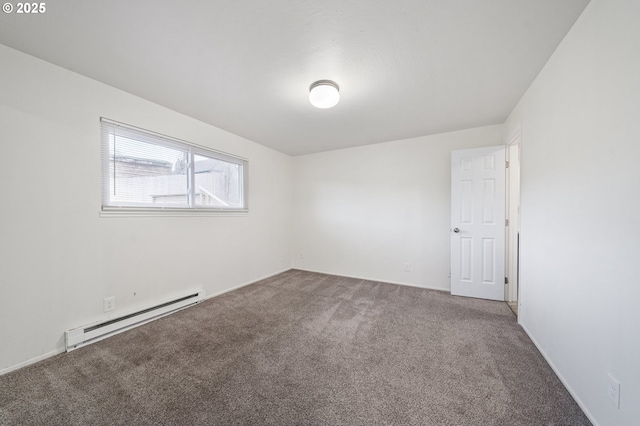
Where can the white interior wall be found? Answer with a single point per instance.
(366, 211)
(59, 259)
(580, 200)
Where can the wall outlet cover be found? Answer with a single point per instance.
(109, 303)
(613, 390)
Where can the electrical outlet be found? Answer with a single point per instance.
(109, 303)
(407, 267)
(613, 390)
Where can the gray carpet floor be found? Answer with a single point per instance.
(303, 348)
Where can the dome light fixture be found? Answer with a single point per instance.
(324, 94)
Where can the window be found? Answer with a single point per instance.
(147, 171)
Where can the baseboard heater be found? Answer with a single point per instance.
(82, 336)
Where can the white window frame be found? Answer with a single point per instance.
(147, 209)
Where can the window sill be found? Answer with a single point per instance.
(142, 212)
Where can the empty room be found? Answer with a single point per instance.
(329, 212)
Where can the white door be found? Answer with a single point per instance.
(478, 222)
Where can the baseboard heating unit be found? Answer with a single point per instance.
(82, 336)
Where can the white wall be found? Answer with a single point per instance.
(366, 211)
(59, 259)
(580, 238)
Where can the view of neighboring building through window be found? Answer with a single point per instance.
(142, 169)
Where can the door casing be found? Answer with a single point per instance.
(513, 215)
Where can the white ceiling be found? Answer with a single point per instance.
(406, 68)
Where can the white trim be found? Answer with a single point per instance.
(148, 212)
(573, 394)
(446, 290)
(513, 215)
(246, 284)
(31, 361)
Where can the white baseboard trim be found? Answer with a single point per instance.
(446, 290)
(573, 394)
(31, 361)
(218, 293)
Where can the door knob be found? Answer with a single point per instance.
(456, 230)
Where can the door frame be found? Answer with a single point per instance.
(513, 154)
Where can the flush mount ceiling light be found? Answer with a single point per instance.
(324, 94)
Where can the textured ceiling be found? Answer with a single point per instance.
(406, 68)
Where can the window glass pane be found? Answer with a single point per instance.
(218, 183)
(146, 174)
(147, 171)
